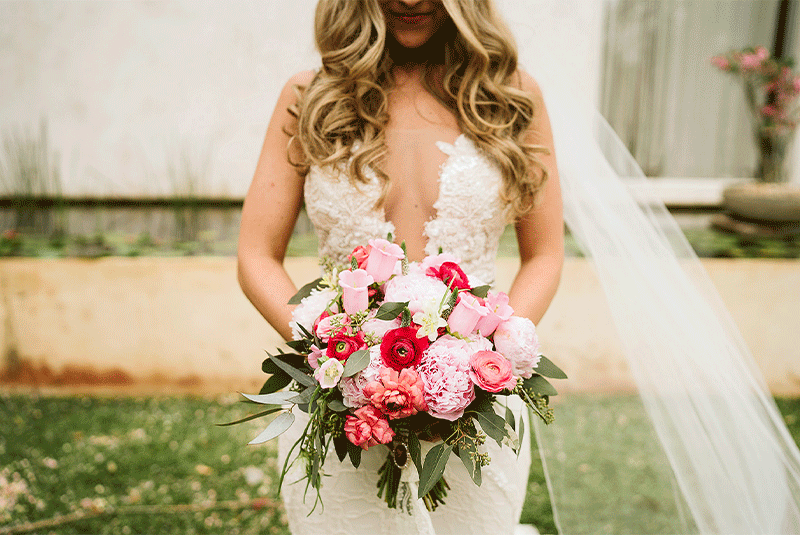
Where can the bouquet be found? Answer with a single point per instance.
(390, 352)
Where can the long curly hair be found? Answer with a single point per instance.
(343, 112)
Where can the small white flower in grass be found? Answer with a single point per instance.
(429, 320)
(329, 373)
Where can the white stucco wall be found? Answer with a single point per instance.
(131, 88)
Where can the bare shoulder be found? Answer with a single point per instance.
(302, 78)
(527, 83)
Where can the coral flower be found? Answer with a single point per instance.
(368, 428)
(397, 395)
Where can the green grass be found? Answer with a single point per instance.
(62, 455)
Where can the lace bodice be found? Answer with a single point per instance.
(470, 215)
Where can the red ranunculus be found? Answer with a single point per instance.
(340, 347)
(401, 348)
(450, 274)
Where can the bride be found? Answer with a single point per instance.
(420, 123)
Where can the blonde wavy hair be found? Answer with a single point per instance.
(346, 102)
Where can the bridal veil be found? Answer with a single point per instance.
(702, 448)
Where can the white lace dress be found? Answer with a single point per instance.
(470, 218)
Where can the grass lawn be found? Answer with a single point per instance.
(159, 465)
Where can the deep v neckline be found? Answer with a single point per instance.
(450, 150)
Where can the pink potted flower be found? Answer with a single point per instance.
(382, 259)
(355, 290)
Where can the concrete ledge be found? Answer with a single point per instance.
(185, 323)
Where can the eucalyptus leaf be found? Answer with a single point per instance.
(276, 382)
(356, 362)
(473, 468)
(546, 368)
(336, 405)
(275, 398)
(251, 417)
(481, 291)
(389, 311)
(522, 425)
(304, 396)
(281, 423)
(539, 386)
(433, 468)
(415, 450)
(304, 292)
(511, 439)
(493, 425)
(510, 420)
(297, 375)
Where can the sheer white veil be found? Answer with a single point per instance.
(719, 458)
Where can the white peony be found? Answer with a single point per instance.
(516, 340)
(416, 288)
(309, 309)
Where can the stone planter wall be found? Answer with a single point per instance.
(185, 322)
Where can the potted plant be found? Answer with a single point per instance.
(772, 88)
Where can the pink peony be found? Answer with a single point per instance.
(445, 372)
(355, 297)
(498, 310)
(491, 371)
(353, 387)
(516, 340)
(383, 258)
(466, 314)
(368, 428)
(397, 395)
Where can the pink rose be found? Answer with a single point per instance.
(397, 395)
(360, 253)
(466, 314)
(491, 371)
(355, 286)
(368, 428)
(498, 310)
(341, 346)
(383, 257)
(332, 324)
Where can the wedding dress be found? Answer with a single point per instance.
(470, 217)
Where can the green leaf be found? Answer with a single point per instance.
(473, 468)
(356, 362)
(481, 291)
(277, 426)
(389, 311)
(510, 417)
(276, 398)
(511, 440)
(406, 318)
(304, 396)
(546, 368)
(433, 468)
(251, 417)
(297, 375)
(522, 425)
(539, 386)
(336, 405)
(493, 425)
(355, 454)
(415, 450)
(340, 445)
(301, 346)
(276, 382)
(304, 292)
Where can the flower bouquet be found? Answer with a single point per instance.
(392, 352)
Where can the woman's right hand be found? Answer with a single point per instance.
(269, 214)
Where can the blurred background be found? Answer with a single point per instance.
(129, 132)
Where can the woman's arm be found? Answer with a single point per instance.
(268, 216)
(540, 233)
